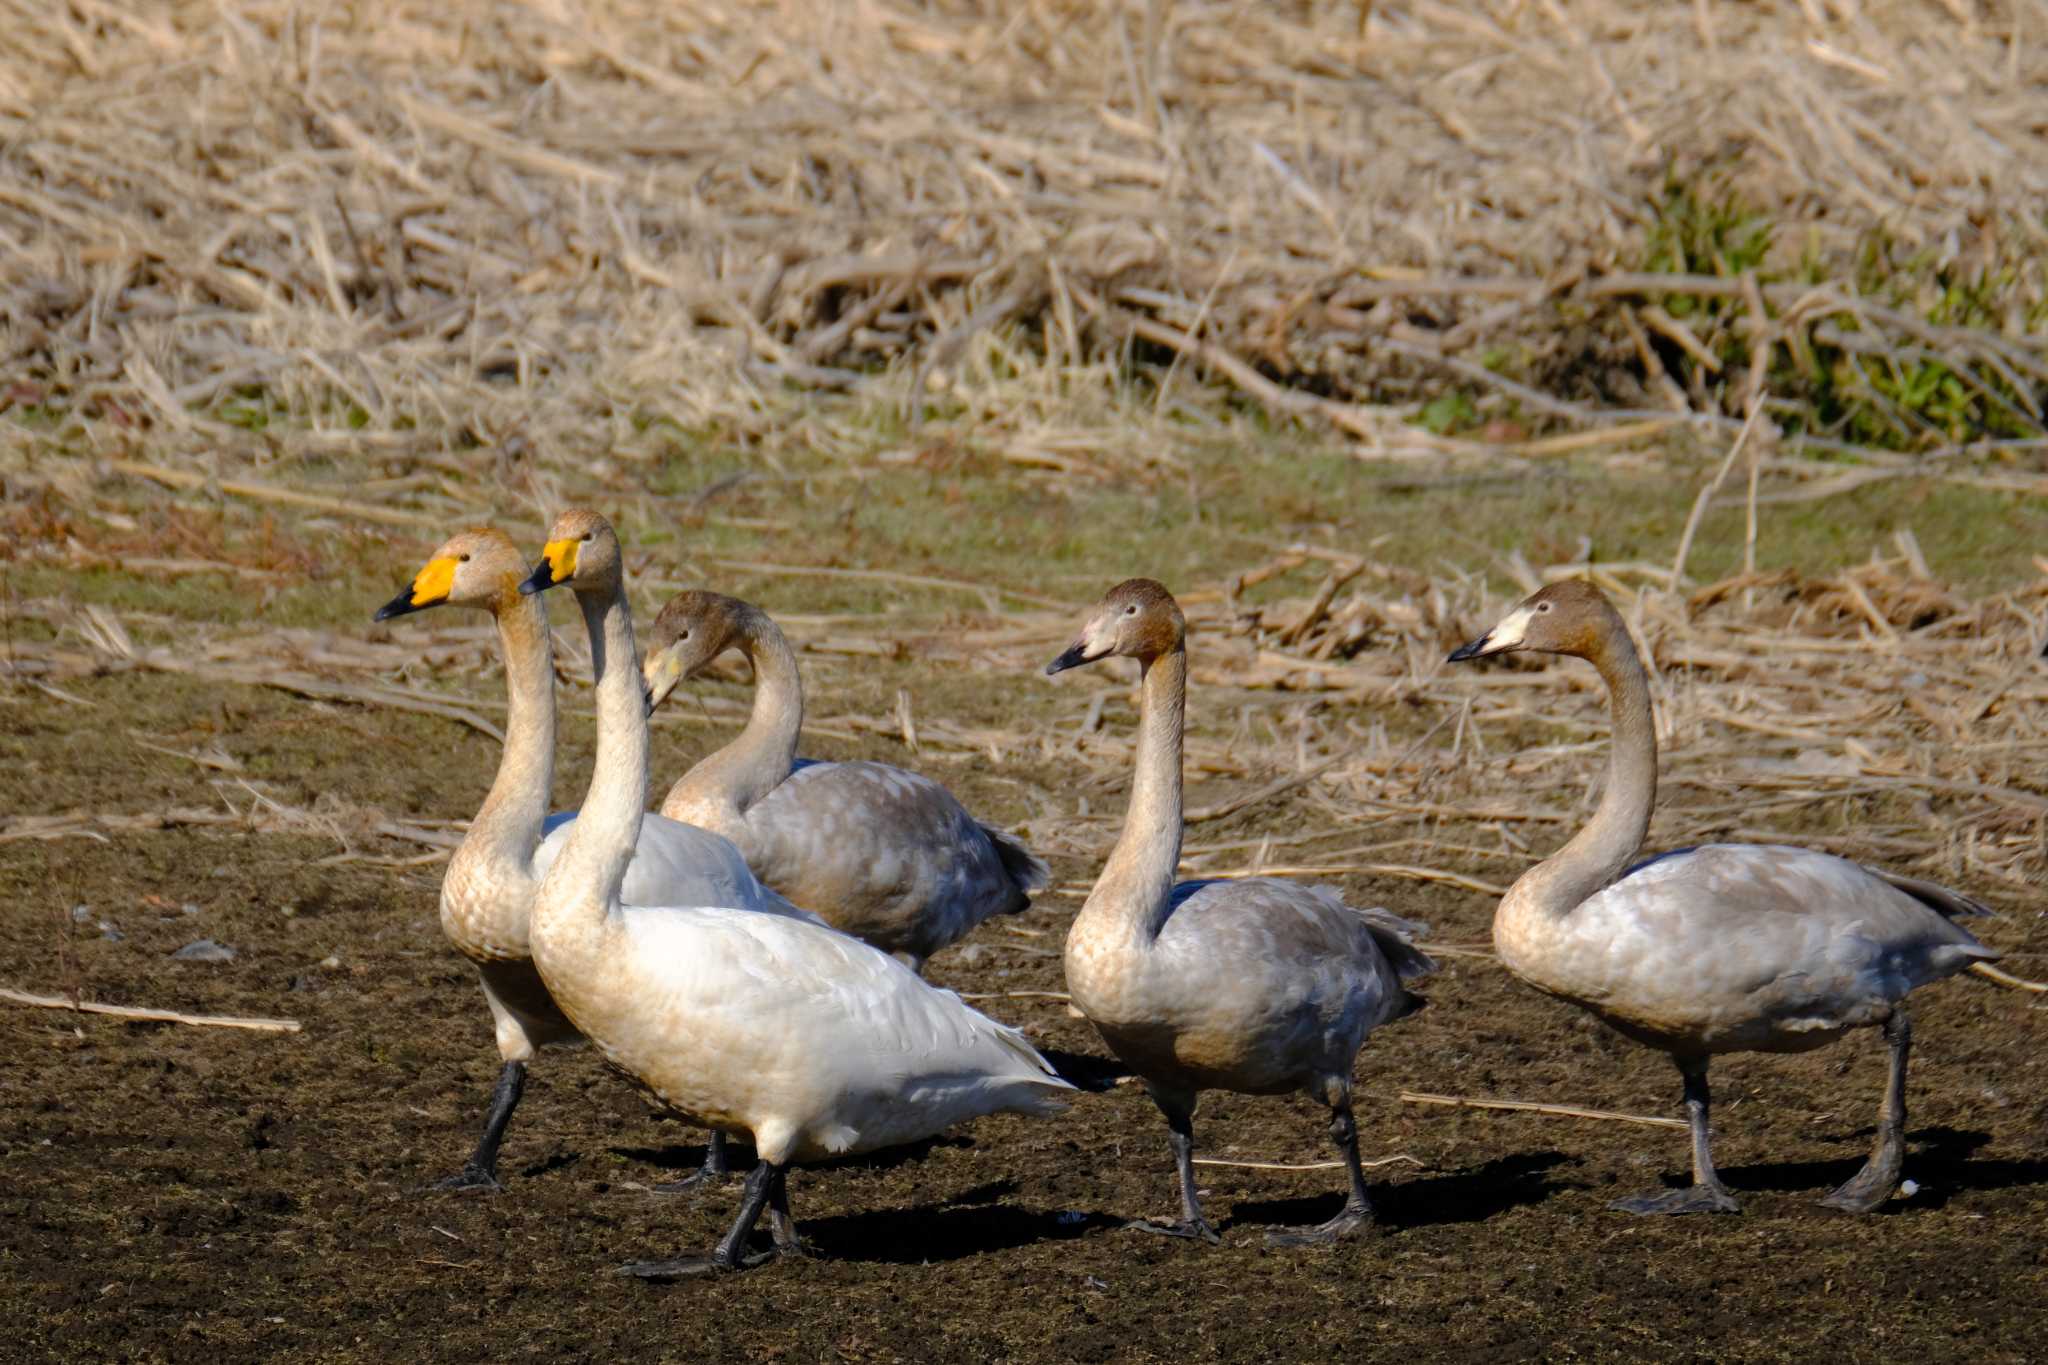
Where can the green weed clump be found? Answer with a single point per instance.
(1915, 350)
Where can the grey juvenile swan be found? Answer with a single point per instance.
(1719, 948)
(888, 856)
(1259, 986)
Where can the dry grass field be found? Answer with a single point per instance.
(920, 325)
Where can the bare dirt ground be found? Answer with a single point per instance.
(185, 1193)
(920, 324)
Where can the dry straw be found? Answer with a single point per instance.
(472, 241)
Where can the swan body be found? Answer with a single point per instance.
(886, 855)
(487, 892)
(1250, 985)
(1737, 948)
(1721, 948)
(1258, 986)
(810, 1040)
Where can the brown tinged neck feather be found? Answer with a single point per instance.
(1599, 853)
(731, 781)
(1137, 881)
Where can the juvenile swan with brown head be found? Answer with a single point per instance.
(1719, 948)
(487, 893)
(888, 856)
(810, 1040)
(1258, 986)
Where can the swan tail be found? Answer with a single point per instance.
(1950, 905)
(1023, 867)
(1397, 938)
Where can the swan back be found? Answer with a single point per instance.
(889, 856)
(673, 864)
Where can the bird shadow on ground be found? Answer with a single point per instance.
(1085, 1070)
(1468, 1196)
(687, 1158)
(972, 1223)
(560, 1161)
(1940, 1160)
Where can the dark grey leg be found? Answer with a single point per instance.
(1356, 1215)
(1874, 1184)
(731, 1252)
(713, 1172)
(780, 1225)
(1180, 1127)
(1708, 1194)
(480, 1172)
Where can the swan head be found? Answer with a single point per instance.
(1137, 619)
(581, 551)
(692, 630)
(480, 567)
(1570, 616)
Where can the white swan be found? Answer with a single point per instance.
(487, 893)
(1259, 986)
(888, 856)
(810, 1040)
(1720, 948)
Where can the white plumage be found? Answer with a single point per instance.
(812, 1041)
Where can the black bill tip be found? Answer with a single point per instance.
(1471, 649)
(397, 606)
(1074, 657)
(540, 580)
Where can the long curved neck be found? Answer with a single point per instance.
(1597, 854)
(507, 827)
(581, 890)
(725, 786)
(1132, 892)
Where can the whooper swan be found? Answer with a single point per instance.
(810, 1040)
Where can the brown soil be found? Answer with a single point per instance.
(190, 1193)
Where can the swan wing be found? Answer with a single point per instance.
(889, 855)
(811, 1037)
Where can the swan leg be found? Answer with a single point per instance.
(1180, 1127)
(781, 1226)
(1356, 1215)
(480, 1172)
(1874, 1184)
(731, 1252)
(713, 1172)
(1708, 1194)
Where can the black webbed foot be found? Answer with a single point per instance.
(1351, 1222)
(1195, 1229)
(469, 1178)
(1693, 1199)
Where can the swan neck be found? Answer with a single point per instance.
(507, 827)
(582, 887)
(1598, 853)
(721, 789)
(1137, 881)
